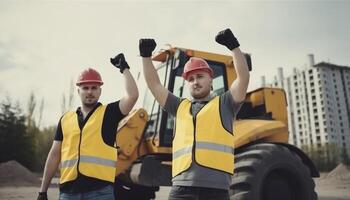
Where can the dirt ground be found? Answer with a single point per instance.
(330, 186)
(332, 190)
(325, 192)
(30, 193)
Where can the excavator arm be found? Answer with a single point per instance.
(129, 139)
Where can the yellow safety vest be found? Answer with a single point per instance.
(84, 150)
(202, 138)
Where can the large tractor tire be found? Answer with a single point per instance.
(270, 172)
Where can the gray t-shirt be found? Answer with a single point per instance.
(196, 175)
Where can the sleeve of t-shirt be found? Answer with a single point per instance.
(112, 117)
(229, 104)
(172, 103)
(59, 134)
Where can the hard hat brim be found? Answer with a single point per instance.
(207, 70)
(89, 82)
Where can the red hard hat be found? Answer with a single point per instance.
(89, 76)
(196, 64)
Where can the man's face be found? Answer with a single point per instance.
(200, 84)
(89, 94)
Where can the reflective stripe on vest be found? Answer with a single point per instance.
(99, 161)
(213, 144)
(68, 163)
(206, 146)
(94, 158)
(181, 152)
(88, 159)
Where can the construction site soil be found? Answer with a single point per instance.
(17, 182)
(14, 174)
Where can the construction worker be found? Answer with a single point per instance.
(203, 158)
(84, 145)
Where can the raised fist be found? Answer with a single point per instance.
(227, 39)
(120, 62)
(146, 46)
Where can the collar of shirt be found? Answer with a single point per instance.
(81, 119)
(201, 101)
(78, 111)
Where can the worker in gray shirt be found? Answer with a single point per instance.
(203, 157)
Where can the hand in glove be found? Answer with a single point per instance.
(146, 46)
(42, 196)
(120, 62)
(227, 39)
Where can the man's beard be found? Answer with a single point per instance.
(200, 95)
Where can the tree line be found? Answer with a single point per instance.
(327, 156)
(21, 139)
(21, 136)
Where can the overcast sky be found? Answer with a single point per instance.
(45, 44)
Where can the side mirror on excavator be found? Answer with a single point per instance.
(249, 61)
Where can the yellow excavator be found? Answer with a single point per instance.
(266, 166)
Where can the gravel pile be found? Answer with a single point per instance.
(14, 174)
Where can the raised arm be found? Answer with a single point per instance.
(239, 87)
(51, 166)
(160, 93)
(132, 93)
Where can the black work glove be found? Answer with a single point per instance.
(42, 196)
(227, 39)
(120, 62)
(146, 46)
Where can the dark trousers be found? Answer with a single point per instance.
(197, 193)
